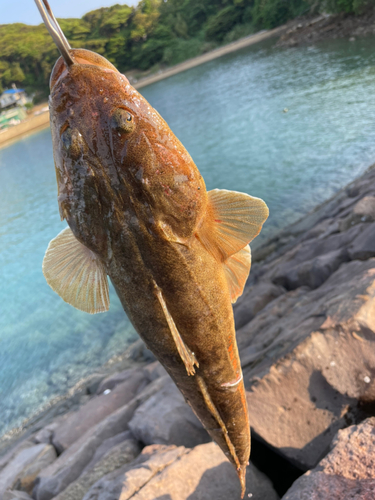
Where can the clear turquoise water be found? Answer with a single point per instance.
(229, 115)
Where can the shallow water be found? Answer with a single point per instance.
(229, 115)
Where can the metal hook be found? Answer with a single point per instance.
(54, 30)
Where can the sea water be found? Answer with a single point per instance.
(291, 126)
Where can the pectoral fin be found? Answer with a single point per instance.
(237, 269)
(231, 222)
(186, 355)
(76, 274)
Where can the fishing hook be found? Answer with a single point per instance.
(55, 31)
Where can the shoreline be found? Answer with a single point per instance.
(35, 124)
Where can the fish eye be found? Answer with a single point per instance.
(122, 121)
(72, 143)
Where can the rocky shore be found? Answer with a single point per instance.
(312, 29)
(306, 333)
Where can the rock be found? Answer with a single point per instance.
(313, 272)
(126, 481)
(166, 418)
(106, 446)
(22, 470)
(310, 264)
(72, 462)
(309, 363)
(115, 458)
(347, 472)
(154, 370)
(172, 473)
(96, 410)
(254, 300)
(16, 495)
(45, 435)
(139, 352)
(109, 383)
(94, 382)
(9, 455)
(363, 247)
(363, 211)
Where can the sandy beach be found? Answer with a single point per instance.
(34, 124)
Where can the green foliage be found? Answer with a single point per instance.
(156, 32)
(220, 24)
(271, 13)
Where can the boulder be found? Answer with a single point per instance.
(166, 418)
(125, 482)
(109, 383)
(310, 263)
(115, 458)
(154, 370)
(97, 409)
(347, 472)
(363, 247)
(16, 495)
(106, 446)
(22, 470)
(72, 462)
(309, 361)
(254, 300)
(172, 473)
(14, 450)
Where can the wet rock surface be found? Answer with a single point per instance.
(306, 333)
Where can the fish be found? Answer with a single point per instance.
(139, 213)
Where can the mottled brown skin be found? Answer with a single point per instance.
(137, 200)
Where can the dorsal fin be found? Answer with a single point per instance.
(231, 222)
(237, 269)
(76, 274)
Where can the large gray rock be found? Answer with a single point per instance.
(346, 473)
(308, 361)
(167, 419)
(115, 458)
(363, 247)
(22, 470)
(14, 450)
(173, 473)
(204, 473)
(72, 462)
(254, 300)
(16, 495)
(310, 264)
(126, 481)
(97, 409)
(180, 474)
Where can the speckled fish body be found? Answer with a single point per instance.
(133, 197)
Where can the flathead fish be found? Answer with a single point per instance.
(138, 212)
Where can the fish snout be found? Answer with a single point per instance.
(79, 57)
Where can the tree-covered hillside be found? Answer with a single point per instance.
(156, 32)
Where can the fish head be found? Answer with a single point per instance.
(116, 159)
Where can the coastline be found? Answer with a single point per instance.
(34, 124)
